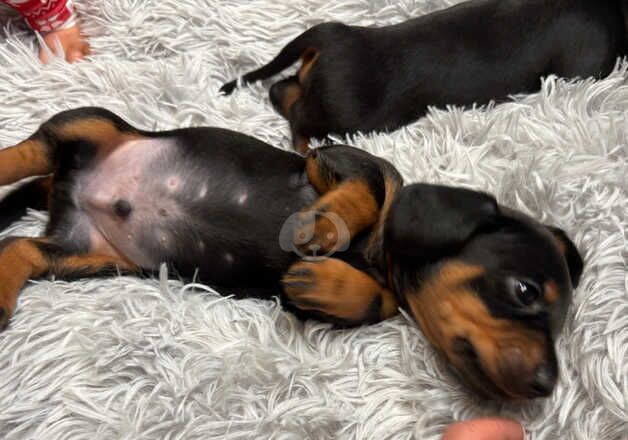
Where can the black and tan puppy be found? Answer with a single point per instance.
(488, 286)
(364, 79)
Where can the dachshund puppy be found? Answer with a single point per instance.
(336, 234)
(376, 79)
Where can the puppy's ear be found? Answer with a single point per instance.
(432, 221)
(570, 251)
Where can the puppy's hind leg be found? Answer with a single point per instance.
(22, 258)
(286, 98)
(300, 141)
(283, 94)
(56, 140)
(28, 158)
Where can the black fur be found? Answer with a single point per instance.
(431, 226)
(572, 256)
(431, 221)
(426, 228)
(29, 195)
(370, 79)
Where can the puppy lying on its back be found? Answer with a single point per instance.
(336, 234)
(362, 79)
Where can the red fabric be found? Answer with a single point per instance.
(44, 15)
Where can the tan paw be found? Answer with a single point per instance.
(336, 289)
(318, 233)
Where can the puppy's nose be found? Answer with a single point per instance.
(543, 380)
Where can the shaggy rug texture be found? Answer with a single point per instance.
(157, 359)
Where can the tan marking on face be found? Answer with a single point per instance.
(446, 308)
(309, 58)
(552, 292)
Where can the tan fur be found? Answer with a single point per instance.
(28, 158)
(309, 58)
(338, 289)
(354, 203)
(100, 132)
(19, 261)
(321, 183)
(552, 292)
(292, 93)
(445, 309)
(22, 259)
(392, 187)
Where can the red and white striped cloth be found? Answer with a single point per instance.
(45, 15)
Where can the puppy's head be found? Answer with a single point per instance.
(488, 286)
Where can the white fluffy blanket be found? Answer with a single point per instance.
(150, 359)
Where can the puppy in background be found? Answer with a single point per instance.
(365, 79)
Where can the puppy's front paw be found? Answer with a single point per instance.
(334, 288)
(320, 233)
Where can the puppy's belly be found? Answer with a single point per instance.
(148, 202)
(129, 196)
(155, 200)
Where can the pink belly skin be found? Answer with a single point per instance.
(139, 173)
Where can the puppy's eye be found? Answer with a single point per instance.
(527, 292)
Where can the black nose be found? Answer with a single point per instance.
(543, 381)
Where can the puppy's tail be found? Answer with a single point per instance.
(312, 38)
(33, 194)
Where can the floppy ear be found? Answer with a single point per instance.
(432, 221)
(570, 251)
